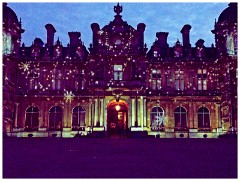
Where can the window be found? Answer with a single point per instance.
(180, 116)
(118, 72)
(58, 52)
(200, 52)
(191, 74)
(35, 51)
(230, 44)
(79, 84)
(7, 44)
(33, 81)
(32, 114)
(202, 79)
(168, 78)
(156, 79)
(56, 79)
(157, 116)
(155, 53)
(235, 39)
(78, 117)
(203, 118)
(79, 81)
(55, 118)
(79, 52)
(179, 80)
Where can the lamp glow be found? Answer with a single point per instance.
(117, 107)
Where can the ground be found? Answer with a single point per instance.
(119, 158)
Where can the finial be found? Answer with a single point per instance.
(118, 9)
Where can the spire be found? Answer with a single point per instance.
(118, 9)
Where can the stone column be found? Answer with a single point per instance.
(16, 116)
(101, 107)
(195, 120)
(69, 115)
(166, 115)
(144, 113)
(133, 112)
(89, 122)
(191, 115)
(140, 112)
(218, 115)
(96, 118)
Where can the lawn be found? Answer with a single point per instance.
(119, 158)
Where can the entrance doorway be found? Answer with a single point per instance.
(117, 114)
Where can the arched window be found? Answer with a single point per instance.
(55, 118)
(32, 115)
(78, 117)
(157, 116)
(180, 116)
(203, 117)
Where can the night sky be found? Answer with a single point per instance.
(158, 17)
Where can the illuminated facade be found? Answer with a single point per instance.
(118, 86)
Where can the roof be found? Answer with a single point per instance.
(9, 14)
(229, 14)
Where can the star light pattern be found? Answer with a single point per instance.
(24, 66)
(68, 96)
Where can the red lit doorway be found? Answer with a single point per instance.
(117, 117)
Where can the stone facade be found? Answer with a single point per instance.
(118, 86)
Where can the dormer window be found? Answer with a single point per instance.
(155, 53)
(79, 52)
(117, 41)
(58, 52)
(118, 72)
(7, 44)
(35, 51)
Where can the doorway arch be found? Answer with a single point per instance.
(117, 117)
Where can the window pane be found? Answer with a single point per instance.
(183, 120)
(206, 121)
(199, 84)
(35, 120)
(75, 118)
(120, 75)
(181, 84)
(28, 120)
(200, 120)
(82, 119)
(154, 85)
(51, 120)
(177, 119)
(177, 86)
(115, 75)
(117, 67)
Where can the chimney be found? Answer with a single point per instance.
(185, 35)
(74, 38)
(50, 34)
(141, 28)
(162, 38)
(95, 28)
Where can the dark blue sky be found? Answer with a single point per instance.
(158, 17)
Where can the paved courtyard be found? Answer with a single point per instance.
(119, 158)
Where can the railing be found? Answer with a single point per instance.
(30, 129)
(181, 129)
(204, 129)
(54, 129)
